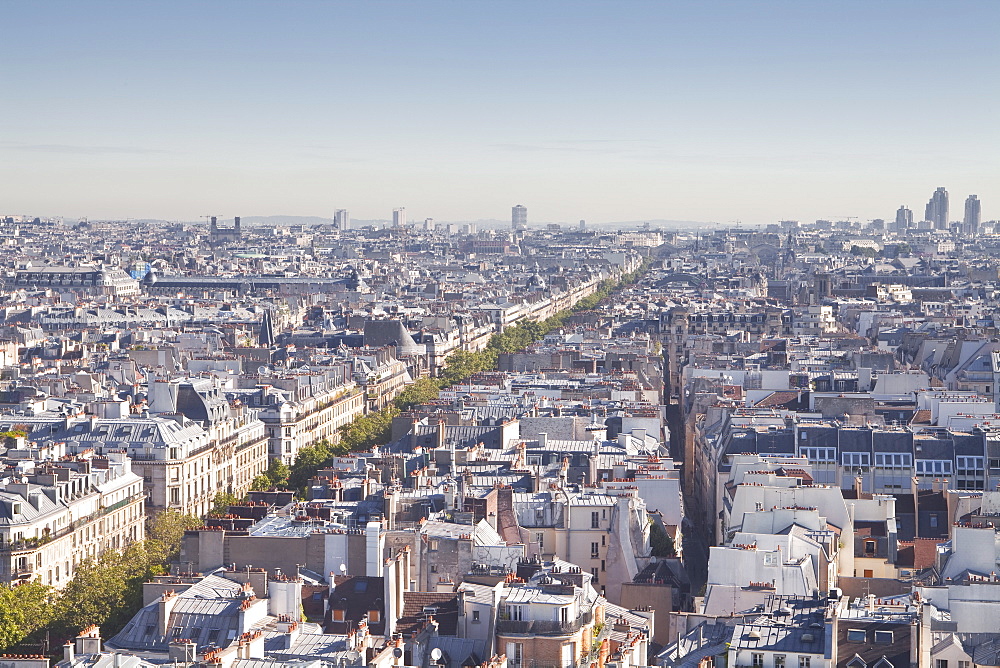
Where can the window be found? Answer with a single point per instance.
(757, 660)
(540, 539)
(594, 551)
(893, 460)
(213, 636)
(515, 613)
(178, 630)
(779, 661)
(964, 664)
(815, 455)
(515, 654)
(803, 661)
(883, 637)
(475, 616)
(932, 519)
(870, 547)
(595, 520)
(970, 465)
(933, 467)
(856, 460)
(941, 663)
(374, 616)
(338, 615)
(568, 652)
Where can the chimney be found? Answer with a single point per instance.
(284, 597)
(915, 489)
(163, 608)
(88, 641)
(543, 439)
(183, 651)
(68, 653)
(414, 423)
(859, 484)
(440, 433)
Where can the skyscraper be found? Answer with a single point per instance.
(937, 209)
(904, 218)
(342, 219)
(399, 217)
(519, 217)
(973, 215)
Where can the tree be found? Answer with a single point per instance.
(278, 472)
(24, 609)
(164, 533)
(660, 543)
(260, 483)
(221, 503)
(419, 392)
(106, 591)
(309, 460)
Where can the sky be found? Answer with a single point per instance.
(606, 111)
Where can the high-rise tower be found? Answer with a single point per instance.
(904, 219)
(973, 215)
(399, 217)
(519, 217)
(937, 209)
(342, 219)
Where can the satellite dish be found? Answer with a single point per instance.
(436, 653)
(262, 370)
(398, 652)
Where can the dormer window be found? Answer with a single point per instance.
(338, 615)
(883, 637)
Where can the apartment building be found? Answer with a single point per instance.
(54, 515)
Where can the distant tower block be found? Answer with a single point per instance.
(399, 217)
(519, 217)
(973, 216)
(904, 219)
(342, 219)
(936, 210)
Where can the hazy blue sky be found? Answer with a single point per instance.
(609, 111)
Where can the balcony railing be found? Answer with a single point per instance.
(543, 627)
(30, 544)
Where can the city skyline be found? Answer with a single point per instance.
(758, 112)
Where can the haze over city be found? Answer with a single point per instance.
(714, 112)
